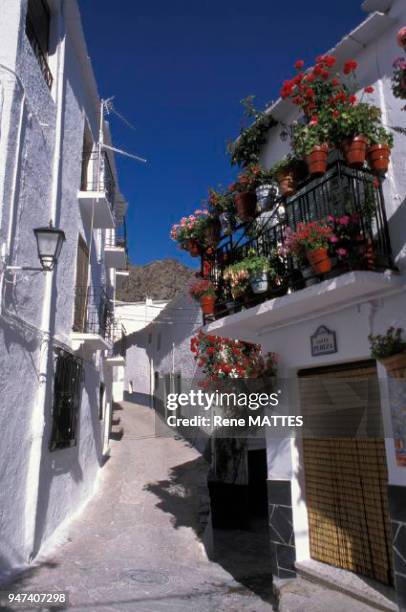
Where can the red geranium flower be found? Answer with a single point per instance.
(299, 64)
(352, 99)
(350, 66)
(369, 89)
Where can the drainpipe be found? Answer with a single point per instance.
(39, 406)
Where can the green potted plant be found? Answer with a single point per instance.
(222, 203)
(286, 173)
(246, 149)
(245, 198)
(379, 150)
(311, 240)
(353, 128)
(258, 268)
(310, 142)
(390, 349)
(238, 278)
(204, 292)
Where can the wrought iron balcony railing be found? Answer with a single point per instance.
(119, 340)
(38, 52)
(117, 237)
(341, 192)
(93, 312)
(97, 175)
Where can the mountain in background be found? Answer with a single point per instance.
(159, 280)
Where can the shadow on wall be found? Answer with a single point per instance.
(63, 461)
(397, 224)
(144, 399)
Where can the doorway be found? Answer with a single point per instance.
(345, 471)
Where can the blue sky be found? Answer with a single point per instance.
(178, 71)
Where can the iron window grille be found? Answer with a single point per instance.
(67, 398)
(37, 31)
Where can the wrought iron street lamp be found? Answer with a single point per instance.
(49, 245)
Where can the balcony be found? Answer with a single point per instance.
(297, 289)
(115, 248)
(97, 191)
(93, 320)
(118, 352)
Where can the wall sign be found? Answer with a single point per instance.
(323, 341)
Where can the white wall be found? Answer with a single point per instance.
(39, 490)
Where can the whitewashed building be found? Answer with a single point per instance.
(159, 353)
(56, 327)
(321, 333)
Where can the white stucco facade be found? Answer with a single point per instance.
(162, 348)
(353, 305)
(41, 149)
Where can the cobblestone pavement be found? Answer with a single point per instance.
(136, 544)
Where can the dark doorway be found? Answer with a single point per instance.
(257, 487)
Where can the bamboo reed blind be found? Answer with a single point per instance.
(346, 491)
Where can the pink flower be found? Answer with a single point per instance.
(344, 220)
(330, 218)
(342, 252)
(333, 238)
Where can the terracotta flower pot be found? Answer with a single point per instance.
(395, 365)
(378, 156)
(245, 203)
(319, 260)
(193, 247)
(212, 232)
(355, 150)
(287, 182)
(207, 303)
(317, 160)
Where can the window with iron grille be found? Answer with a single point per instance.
(37, 30)
(67, 397)
(102, 390)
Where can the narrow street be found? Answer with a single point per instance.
(135, 546)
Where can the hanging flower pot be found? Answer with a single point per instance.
(355, 150)
(212, 232)
(259, 282)
(266, 195)
(207, 303)
(319, 260)
(378, 158)
(287, 182)
(316, 160)
(245, 203)
(193, 247)
(226, 222)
